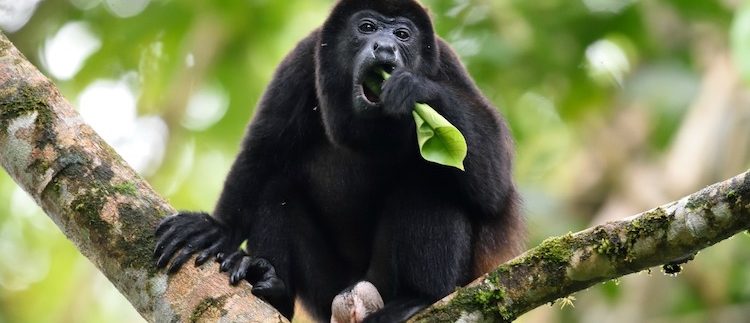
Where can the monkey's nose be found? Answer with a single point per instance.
(384, 52)
(384, 45)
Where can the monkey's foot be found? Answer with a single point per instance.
(354, 305)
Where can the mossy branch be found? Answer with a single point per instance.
(102, 205)
(667, 235)
(109, 212)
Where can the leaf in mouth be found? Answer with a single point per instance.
(372, 86)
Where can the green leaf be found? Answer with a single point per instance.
(439, 141)
(243, 246)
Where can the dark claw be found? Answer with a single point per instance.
(225, 266)
(180, 259)
(180, 236)
(209, 252)
(169, 250)
(202, 258)
(194, 244)
(234, 278)
(171, 241)
(230, 261)
(239, 272)
(163, 241)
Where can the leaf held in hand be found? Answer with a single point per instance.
(439, 141)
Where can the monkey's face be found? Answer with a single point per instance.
(378, 43)
(359, 39)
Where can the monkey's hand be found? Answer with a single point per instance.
(260, 273)
(404, 89)
(180, 236)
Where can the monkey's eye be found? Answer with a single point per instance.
(367, 27)
(402, 34)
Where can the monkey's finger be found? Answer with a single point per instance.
(196, 243)
(163, 241)
(204, 239)
(169, 250)
(239, 272)
(181, 258)
(209, 252)
(182, 231)
(186, 223)
(230, 261)
(165, 225)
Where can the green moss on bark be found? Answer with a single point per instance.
(554, 251)
(697, 201)
(653, 225)
(125, 188)
(206, 305)
(87, 209)
(140, 247)
(25, 99)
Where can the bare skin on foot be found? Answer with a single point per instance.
(355, 305)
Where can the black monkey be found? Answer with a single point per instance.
(329, 188)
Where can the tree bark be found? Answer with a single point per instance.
(102, 205)
(668, 235)
(109, 212)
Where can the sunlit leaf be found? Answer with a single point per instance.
(439, 141)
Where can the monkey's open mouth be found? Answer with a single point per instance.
(372, 83)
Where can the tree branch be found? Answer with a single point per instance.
(103, 206)
(670, 234)
(109, 212)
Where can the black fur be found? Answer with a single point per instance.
(329, 191)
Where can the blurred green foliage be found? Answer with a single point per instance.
(615, 106)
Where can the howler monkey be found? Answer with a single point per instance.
(329, 188)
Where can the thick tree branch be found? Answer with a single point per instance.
(109, 212)
(101, 204)
(670, 234)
